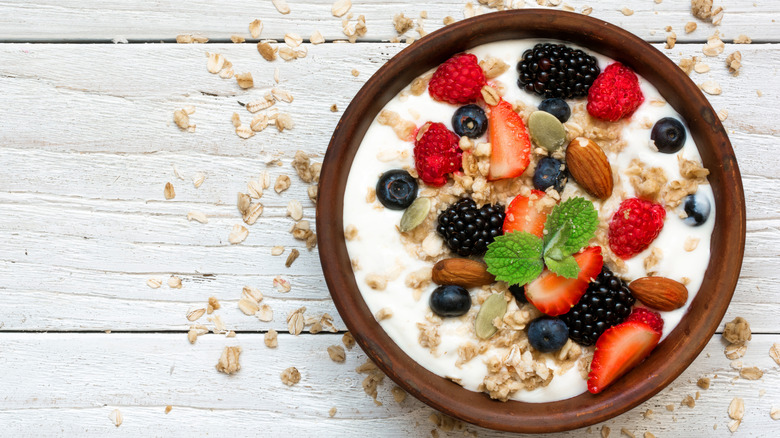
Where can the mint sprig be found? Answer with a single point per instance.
(514, 257)
(520, 257)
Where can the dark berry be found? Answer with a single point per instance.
(547, 334)
(557, 107)
(470, 120)
(550, 172)
(450, 301)
(668, 135)
(697, 207)
(555, 70)
(468, 230)
(606, 303)
(519, 293)
(396, 189)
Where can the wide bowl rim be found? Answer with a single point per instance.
(677, 351)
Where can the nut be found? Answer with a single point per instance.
(659, 293)
(462, 272)
(589, 166)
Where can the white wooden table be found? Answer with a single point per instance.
(88, 142)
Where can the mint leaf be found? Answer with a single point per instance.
(515, 257)
(583, 219)
(554, 245)
(567, 267)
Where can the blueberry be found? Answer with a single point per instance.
(697, 207)
(550, 172)
(450, 301)
(668, 135)
(470, 120)
(519, 293)
(557, 107)
(396, 189)
(547, 334)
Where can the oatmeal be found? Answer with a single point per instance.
(486, 338)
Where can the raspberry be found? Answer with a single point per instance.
(436, 153)
(649, 317)
(458, 81)
(634, 226)
(615, 93)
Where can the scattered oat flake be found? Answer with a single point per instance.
(703, 383)
(281, 284)
(734, 425)
(734, 63)
(293, 39)
(277, 250)
(605, 431)
(711, 87)
(291, 258)
(701, 8)
(238, 39)
(774, 413)
(245, 80)
(751, 373)
(168, 191)
(291, 376)
(738, 330)
(197, 216)
(282, 95)
(348, 340)
(198, 179)
(228, 361)
(282, 183)
(742, 39)
(714, 46)
(774, 352)
(168, 409)
(267, 51)
(116, 417)
(332, 412)
(265, 314)
(340, 7)
(281, 6)
(701, 67)
(248, 307)
(626, 11)
(174, 282)
(271, 339)
(627, 432)
(737, 408)
(649, 435)
(723, 115)
(261, 104)
(296, 321)
(255, 28)
(688, 401)
(238, 234)
(316, 38)
(154, 283)
(337, 353)
(690, 26)
(215, 63)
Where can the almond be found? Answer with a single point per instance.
(589, 166)
(659, 293)
(461, 272)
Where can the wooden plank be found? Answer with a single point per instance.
(152, 21)
(56, 103)
(69, 383)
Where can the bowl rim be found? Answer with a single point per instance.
(682, 345)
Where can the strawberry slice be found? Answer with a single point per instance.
(523, 214)
(555, 295)
(511, 147)
(619, 349)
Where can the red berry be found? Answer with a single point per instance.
(524, 214)
(618, 350)
(510, 144)
(436, 153)
(458, 81)
(634, 226)
(615, 93)
(555, 295)
(649, 317)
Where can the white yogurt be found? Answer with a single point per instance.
(378, 247)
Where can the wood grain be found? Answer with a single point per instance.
(140, 374)
(152, 21)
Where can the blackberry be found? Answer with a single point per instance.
(468, 230)
(607, 302)
(555, 70)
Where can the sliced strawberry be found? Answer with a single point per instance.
(523, 214)
(511, 147)
(619, 349)
(554, 295)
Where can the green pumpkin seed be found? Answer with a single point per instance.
(493, 307)
(415, 214)
(546, 130)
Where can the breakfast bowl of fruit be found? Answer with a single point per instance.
(532, 221)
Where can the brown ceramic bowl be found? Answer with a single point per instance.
(672, 356)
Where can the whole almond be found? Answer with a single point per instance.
(659, 293)
(461, 272)
(590, 167)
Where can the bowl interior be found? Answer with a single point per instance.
(672, 356)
